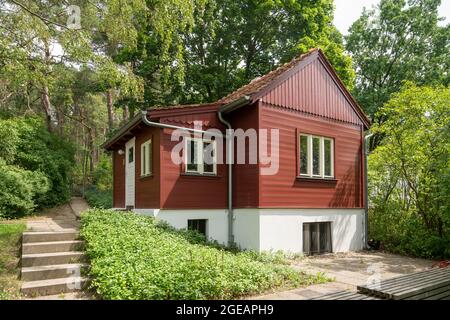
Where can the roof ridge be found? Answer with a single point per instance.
(281, 68)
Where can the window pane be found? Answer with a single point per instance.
(208, 157)
(130, 155)
(327, 156)
(192, 164)
(316, 156)
(303, 154)
(325, 237)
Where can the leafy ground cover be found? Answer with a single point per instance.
(10, 234)
(137, 257)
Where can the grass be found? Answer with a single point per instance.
(10, 235)
(137, 257)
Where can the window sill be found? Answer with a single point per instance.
(147, 176)
(202, 175)
(317, 179)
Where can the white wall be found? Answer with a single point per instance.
(246, 228)
(216, 228)
(272, 229)
(281, 229)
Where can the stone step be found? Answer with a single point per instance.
(29, 237)
(52, 272)
(55, 258)
(52, 246)
(53, 286)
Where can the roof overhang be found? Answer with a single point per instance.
(123, 131)
(236, 104)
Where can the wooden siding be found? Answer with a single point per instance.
(181, 191)
(285, 190)
(147, 189)
(118, 178)
(314, 90)
(245, 176)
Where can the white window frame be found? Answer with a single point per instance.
(199, 156)
(321, 156)
(146, 158)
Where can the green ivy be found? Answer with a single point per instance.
(137, 257)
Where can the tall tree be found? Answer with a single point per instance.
(228, 43)
(398, 40)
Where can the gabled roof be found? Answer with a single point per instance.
(262, 85)
(258, 84)
(250, 93)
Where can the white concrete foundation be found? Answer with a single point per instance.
(272, 229)
(282, 229)
(216, 227)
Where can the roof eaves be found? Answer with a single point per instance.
(123, 130)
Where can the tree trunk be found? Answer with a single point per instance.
(126, 114)
(50, 114)
(109, 104)
(48, 109)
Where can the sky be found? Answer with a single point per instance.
(347, 11)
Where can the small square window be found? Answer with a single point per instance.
(200, 156)
(198, 225)
(317, 237)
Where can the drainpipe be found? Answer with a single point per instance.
(366, 192)
(229, 151)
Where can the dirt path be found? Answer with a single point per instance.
(350, 270)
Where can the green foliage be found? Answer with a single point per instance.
(36, 166)
(102, 177)
(20, 190)
(398, 41)
(135, 257)
(99, 198)
(225, 44)
(409, 173)
(10, 236)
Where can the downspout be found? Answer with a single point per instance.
(366, 192)
(230, 155)
(229, 151)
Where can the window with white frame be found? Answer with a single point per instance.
(146, 158)
(201, 157)
(316, 156)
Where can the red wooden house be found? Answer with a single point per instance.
(313, 202)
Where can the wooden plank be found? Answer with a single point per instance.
(417, 290)
(421, 282)
(417, 283)
(401, 282)
(404, 278)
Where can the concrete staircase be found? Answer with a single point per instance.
(53, 262)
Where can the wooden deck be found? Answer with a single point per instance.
(433, 284)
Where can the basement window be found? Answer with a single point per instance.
(317, 238)
(201, 157)
(316, 156)
(146, 158)
(198, 225)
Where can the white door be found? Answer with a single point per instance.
(129, 172)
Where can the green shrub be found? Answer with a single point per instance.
(99, 198)
(30, 146)
(136, 257)
(20, 190)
